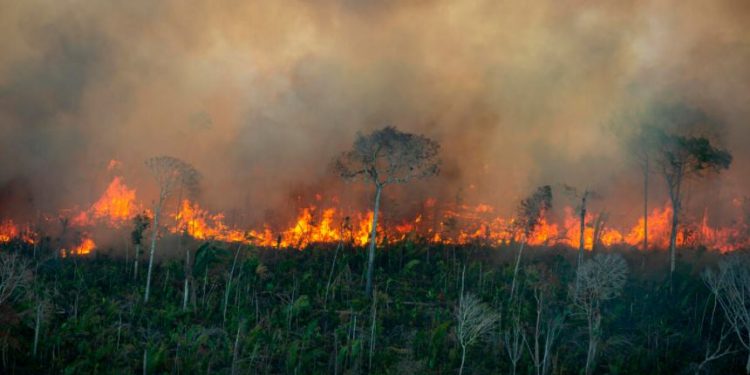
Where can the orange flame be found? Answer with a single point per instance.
(86, 246)
(116, 206)
(436, 223)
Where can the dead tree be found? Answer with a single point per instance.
(681, 158)
(582, 210)
(546, 328)
(530, 213)
(383, 157)
(474, 320)
(513, 342)
(598, 280)
(731, 287)
(714, 353)
(170, 173)
(599, 226)
(15, 275)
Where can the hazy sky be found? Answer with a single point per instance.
(260, 95)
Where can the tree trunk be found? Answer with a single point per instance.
(590, 357)
(582, 238)
(145, 361)
(236, 348)
(373, 239)
(673, 233)
(136, 261)
(515, 269)
(229, 285)
(463, 359)
(188, 279)
(594, 329)
(645, 207)
(37, 326)
(537, 333)
(154, 235)
(330, 275)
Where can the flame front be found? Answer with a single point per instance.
(457, 224)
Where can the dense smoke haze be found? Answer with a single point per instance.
(259, 96)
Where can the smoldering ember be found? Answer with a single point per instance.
(361, 187)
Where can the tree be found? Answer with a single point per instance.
(643, 146)
(530, 211)
(15, 276)
(513, 342)
(140, 224)
(731, 287)
(681, 158)
(170, 173)
(383, 157)
(582, 210)
(548, 320)
(598, 280)
(474, 320)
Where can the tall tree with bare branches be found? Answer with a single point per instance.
(170, 173)
(384, 157)
(599, 279)
(474, 320)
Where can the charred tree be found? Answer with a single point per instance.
(383, 157)
(582, 211)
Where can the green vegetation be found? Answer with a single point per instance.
(271, 311)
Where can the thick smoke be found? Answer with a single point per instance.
(259, 96)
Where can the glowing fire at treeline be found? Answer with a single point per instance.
(448, 225)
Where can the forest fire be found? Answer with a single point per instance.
(85, 247)
(116, 206)
(8, 231)
(457, 225)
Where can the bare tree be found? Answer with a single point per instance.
(15, 275)
(731, 287)
(530, 212)
(598, 280)
(546, 329)
(513, 342)
(714, 353)
(681, 158)
(170, 173)
(474, 320)
(383, 157)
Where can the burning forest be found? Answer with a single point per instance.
(357, 187)
(322, 221)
